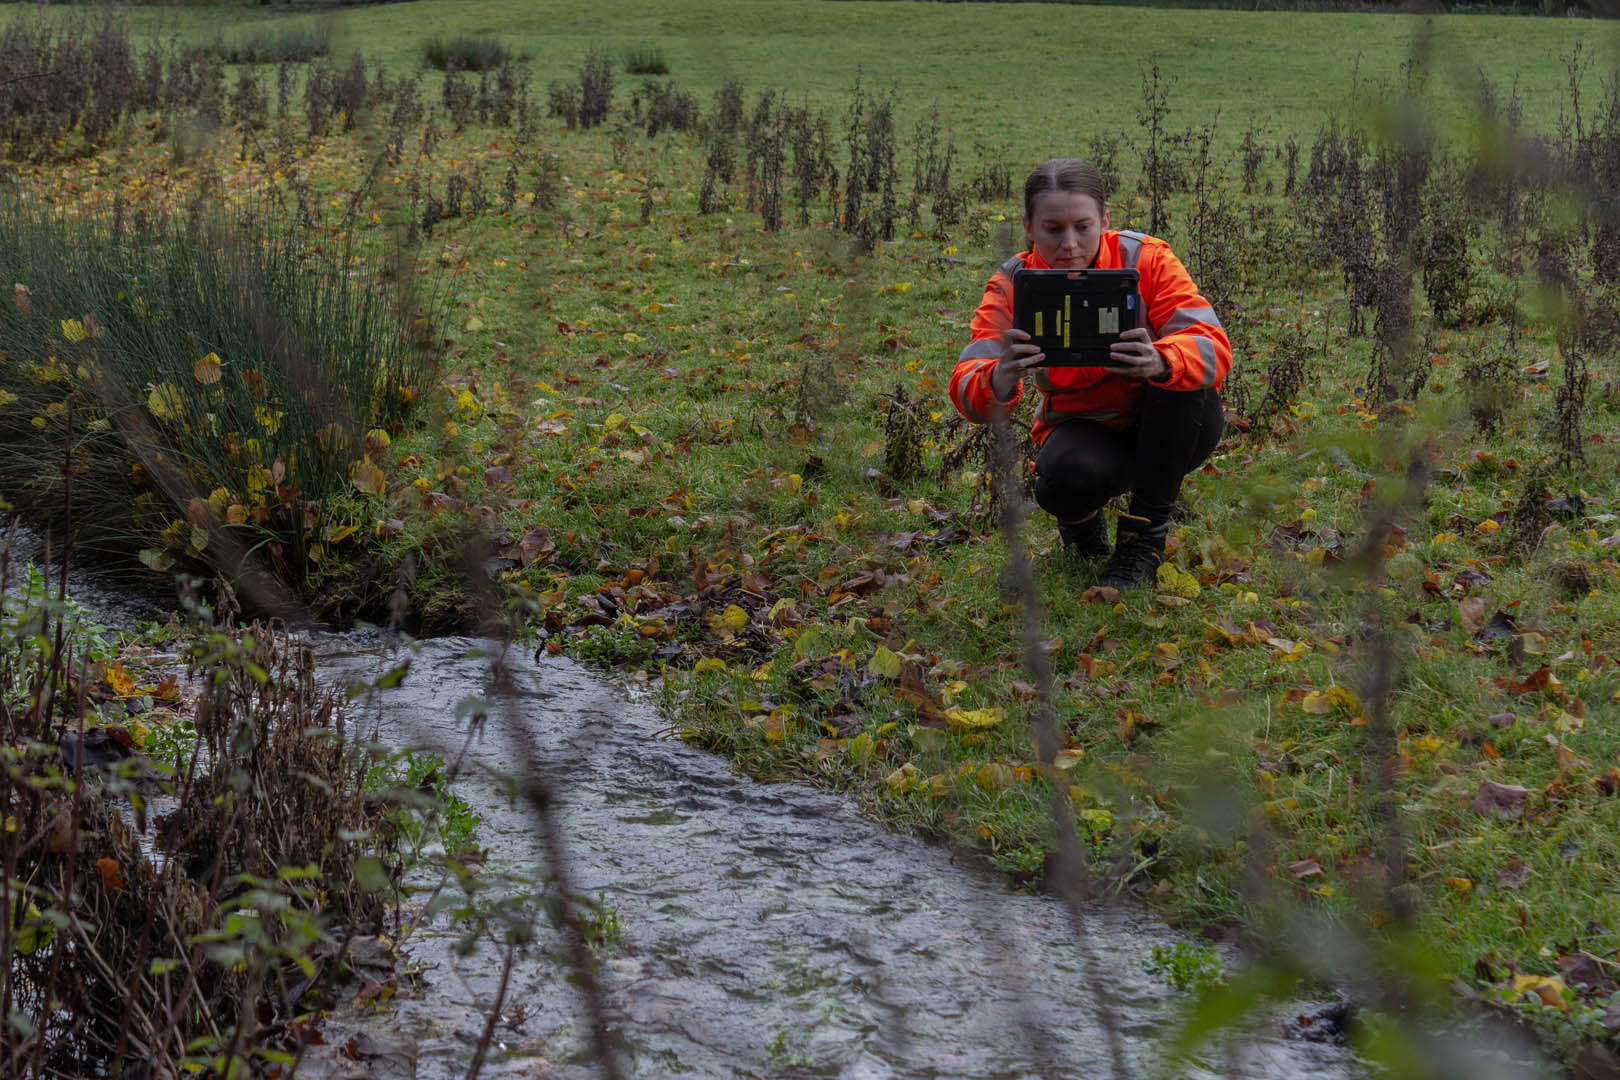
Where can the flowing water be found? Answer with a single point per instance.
(769, 930)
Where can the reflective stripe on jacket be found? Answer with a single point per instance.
(1185, 330)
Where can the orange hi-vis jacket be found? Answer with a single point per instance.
(1185, 330)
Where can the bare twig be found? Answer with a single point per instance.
(1071, 877)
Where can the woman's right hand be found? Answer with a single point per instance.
(1017, 357)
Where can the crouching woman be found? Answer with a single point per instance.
(1139, 427)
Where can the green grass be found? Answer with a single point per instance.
(468, 52)
(691, 407)
(278, 44)
(966, 54)
(645, 60)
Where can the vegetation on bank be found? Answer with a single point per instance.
(694, 418)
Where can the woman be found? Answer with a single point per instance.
(1139, 427)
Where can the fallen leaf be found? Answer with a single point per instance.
(1177, 582)
(885, 662)
(1515, 874)
(1582, 969)
(206, 370)
(111, 880)
(118, 679)
(1473, 609)
(1540, 679)
(1505, 801)
(1304, 868)
(369, 479)
(1101, 594)
(164, 401)
(968, 719)
(1549, 990)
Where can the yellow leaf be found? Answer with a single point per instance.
(968, 719)
(369, 479)
(1487, 526)
(1177, 582)
(74, 330)
(1549, 990)
(709, 663)
(861, 748)
(164, 401)
(613, 421)
(475, 323)
(1068, 759)
(905, 778)
(1323, 702)
(206, 370)
(884, 662)
(734, 618)
(778, 725)
(995, 776)
(118, 679)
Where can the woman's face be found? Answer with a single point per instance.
(1066, 229)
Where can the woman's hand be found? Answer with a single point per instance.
(1138, 358)
(1017, 357)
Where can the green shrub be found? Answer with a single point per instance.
(645, 60)
(468, 52)
(222, 389)
(287, 44)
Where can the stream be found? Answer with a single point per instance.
(769, 930)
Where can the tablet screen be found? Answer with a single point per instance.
(1075, 316)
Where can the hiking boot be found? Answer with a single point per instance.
(1086, 538)
(1138, 551)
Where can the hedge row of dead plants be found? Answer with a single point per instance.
(166, 916)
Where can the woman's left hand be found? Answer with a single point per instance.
(1137, 357)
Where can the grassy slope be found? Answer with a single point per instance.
(699, 332)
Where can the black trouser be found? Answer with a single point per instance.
(1084, 464)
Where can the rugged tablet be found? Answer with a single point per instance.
(1075, 315)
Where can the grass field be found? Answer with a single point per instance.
(1023, 76)
(722, 455)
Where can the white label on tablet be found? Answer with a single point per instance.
(1108, 320)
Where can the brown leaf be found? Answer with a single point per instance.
(1540, 679)
(499, 475)
(25, 299)
(111, 879)
(1101, 594)
(536, 545)
(1515, 874)
(1473, 610)
(1304, 868)
(1582, 969)
(1609, 782)
(1506, 801)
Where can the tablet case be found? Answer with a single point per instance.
(1075, 315)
